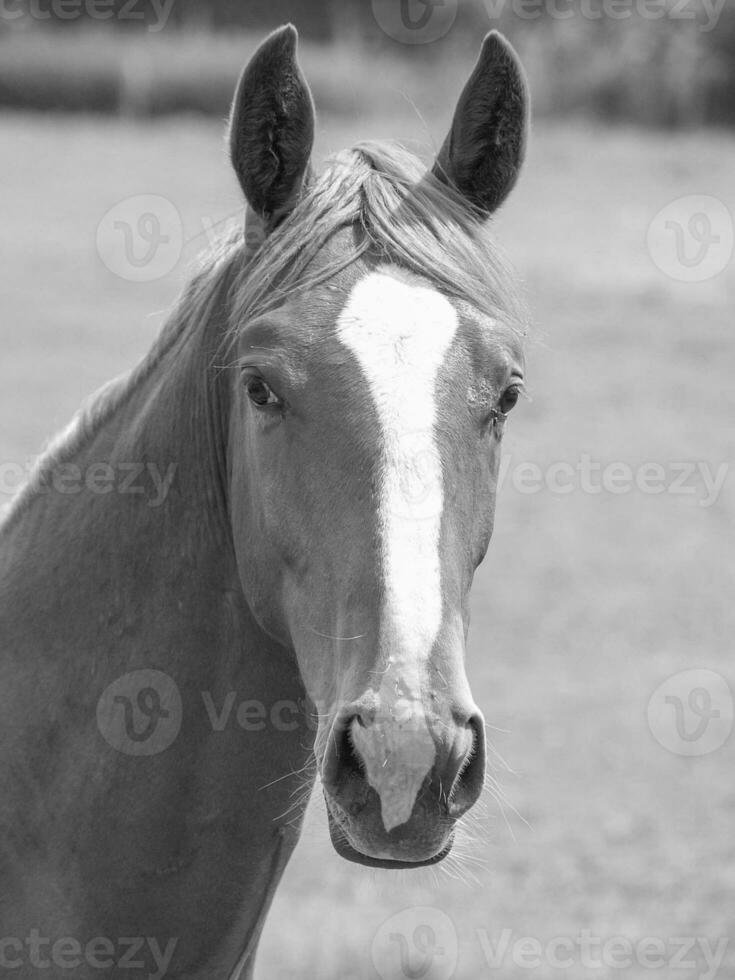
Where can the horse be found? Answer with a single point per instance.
(326, 403)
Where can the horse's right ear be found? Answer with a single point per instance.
(272, 128)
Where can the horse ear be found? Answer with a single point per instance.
(272, 127)
(483, 152)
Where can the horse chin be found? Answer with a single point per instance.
(349, 852)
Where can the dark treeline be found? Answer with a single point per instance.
(659, 62)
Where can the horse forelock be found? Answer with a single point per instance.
(402, 215)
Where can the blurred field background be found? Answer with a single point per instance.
(586, 602)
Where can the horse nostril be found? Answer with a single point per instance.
(352, 764)
(470, 774)
(341, 760)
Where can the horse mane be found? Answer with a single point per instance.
(403, 214)
(194, 307)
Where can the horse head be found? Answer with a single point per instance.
(378, 352)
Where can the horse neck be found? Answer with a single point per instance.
(95, 587)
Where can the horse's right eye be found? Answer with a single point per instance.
(509, 398)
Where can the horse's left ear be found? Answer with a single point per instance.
(483, 152)
(272, 128)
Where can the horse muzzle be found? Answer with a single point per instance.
(397, 779)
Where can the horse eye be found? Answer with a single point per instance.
(508, 399)
(260, 393)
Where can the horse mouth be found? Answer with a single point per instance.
(349, 852)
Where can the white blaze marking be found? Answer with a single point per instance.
(400, 333)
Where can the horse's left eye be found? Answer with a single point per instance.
(508, 399)
(260, 393)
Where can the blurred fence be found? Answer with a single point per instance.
(656, 62)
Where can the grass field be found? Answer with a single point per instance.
(586, 602)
